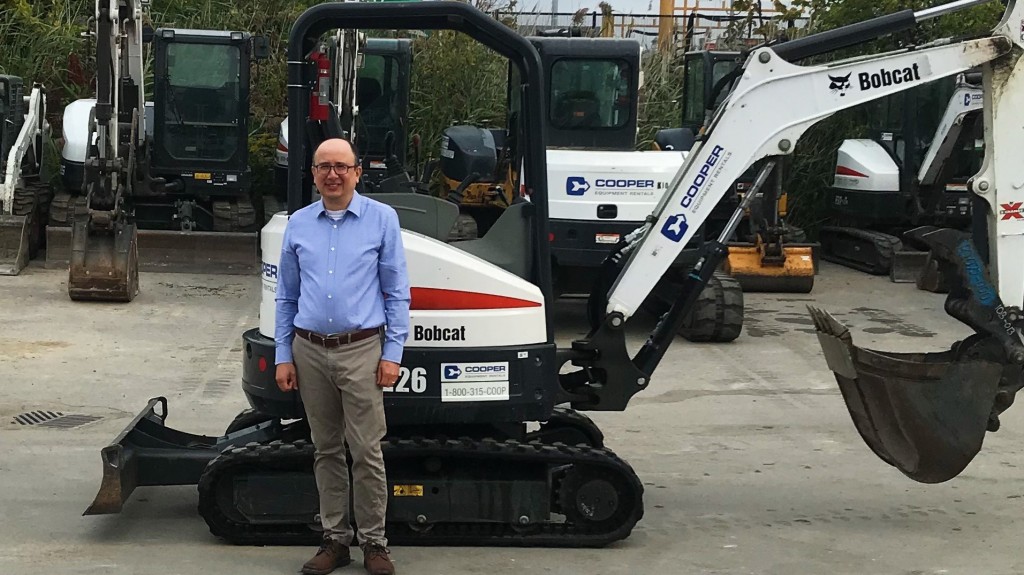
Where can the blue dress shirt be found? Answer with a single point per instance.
(338, 276)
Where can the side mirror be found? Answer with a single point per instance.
(147, 34)
(260, 48)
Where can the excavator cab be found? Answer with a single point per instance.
(200, 133)
(382, 94)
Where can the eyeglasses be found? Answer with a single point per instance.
(340, 169)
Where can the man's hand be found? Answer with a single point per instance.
(387, 373)
(286, 378)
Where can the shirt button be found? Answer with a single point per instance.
(329, 296)
(332, 249)
(335, 226)
(330, 271)
(329, 320)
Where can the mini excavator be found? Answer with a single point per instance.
(481, 361)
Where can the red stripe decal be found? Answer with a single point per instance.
(434, 298)
(844, 171)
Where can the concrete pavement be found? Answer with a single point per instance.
(750, 461)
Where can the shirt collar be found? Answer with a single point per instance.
(355, 206)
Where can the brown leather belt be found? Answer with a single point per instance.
(337, 339)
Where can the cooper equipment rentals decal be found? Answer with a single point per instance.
(479, 381)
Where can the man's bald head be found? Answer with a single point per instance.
(337, 147)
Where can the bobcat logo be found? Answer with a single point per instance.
(840, 83)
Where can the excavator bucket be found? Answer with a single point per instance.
(104, 264)
(14, 244)
(925, 414)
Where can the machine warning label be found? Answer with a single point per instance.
(482, 381)
(1011, 211)
(407, 490)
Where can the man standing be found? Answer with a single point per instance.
(342, 319)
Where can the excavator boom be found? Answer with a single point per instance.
(104, 253)
(21, 188)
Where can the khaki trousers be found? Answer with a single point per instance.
(343, 401)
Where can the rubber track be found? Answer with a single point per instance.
(875, 253)
(62, 209)
(234, 216)
(717, 315)
(298, 456)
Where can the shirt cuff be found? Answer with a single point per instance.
(282, 354)
(392, 352)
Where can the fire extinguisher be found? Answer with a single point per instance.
(320, 96)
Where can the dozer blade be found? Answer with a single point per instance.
(14, 252)
(925, 414)
(120, 465)
(793, 274)
(147, 452)
(174, 251)
(104, 264)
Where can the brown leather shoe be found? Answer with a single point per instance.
(331, 555)
(376, 560)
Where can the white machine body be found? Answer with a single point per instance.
(581, 180)
(458, 300)
(865, 165)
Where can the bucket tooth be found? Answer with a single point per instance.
(924, 413)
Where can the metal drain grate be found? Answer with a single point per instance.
(54, 419)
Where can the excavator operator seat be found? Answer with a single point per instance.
(367, 92)
(576, 109)
(375, 117)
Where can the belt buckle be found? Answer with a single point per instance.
(315, 336)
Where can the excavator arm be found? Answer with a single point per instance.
(751, 125)
(104, 245)
(20, 199)
(965, 102)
